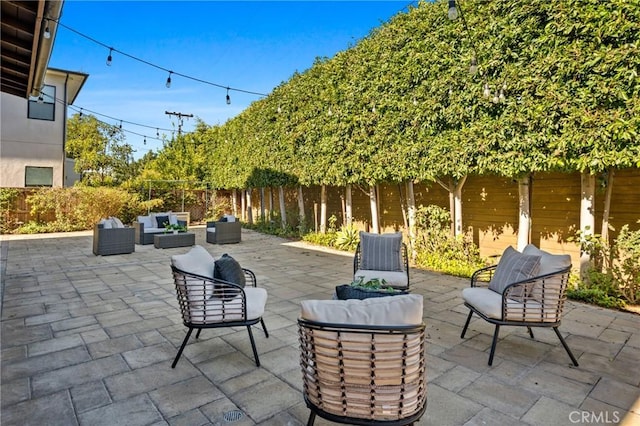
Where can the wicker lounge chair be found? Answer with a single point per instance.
(224, 232)
(382, 256)
(108, 241)
(356, 369)
(208, 302)
(535, 301)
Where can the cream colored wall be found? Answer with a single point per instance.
(29, 142)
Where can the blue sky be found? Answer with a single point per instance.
(252, 46)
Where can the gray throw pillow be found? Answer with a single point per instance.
(513, 267)
(228, 269)
(380, 252)
(161, 221)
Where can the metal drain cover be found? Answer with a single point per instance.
(233, 416)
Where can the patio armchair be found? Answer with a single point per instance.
(224, 232)
(214, 294)
(108, 241)
(363, 361)
(382, 256)
(524, 289)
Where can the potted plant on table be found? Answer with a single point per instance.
(175, 228)
(364, 289)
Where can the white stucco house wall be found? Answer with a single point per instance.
(33, 133)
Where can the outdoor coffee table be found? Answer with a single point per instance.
(182, 239)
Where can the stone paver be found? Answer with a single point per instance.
(89, 340)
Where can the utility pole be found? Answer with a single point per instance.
(180, 117)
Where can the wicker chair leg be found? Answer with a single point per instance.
(566, 347)
(253, 346)
(530, 332)
(184, 343)
(494, 343)
(312, 419)
(198, 333)
(264, 327)
(466, 324)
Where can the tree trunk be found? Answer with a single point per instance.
(403, 207)
(283, 213)
(249, 207)
(587, 215)
(243, 204)
(373, 203)
(607, 207)
(348, 206)
(524, 209)
(271, 209)
(263, 215)
(458, 205)
(323, 209)
(301, 213)
(411, 217)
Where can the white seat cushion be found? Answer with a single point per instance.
(486, 301)
(196, 261)
(549, 263)
(404, 309)
(153, 230)
(146, 221)
(489, 303)
(211, 229)
(214, 307)
(396, 279)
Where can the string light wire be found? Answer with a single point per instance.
(135, 58)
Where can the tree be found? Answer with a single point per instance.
(99, 151)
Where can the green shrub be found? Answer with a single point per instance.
(440, 251)
(347, 238)
(8, 197)
(317, 238)
(79, 207)
(615, 266)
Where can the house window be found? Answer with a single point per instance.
(38, 176)
(43, 107)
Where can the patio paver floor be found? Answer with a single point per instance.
(89, 340)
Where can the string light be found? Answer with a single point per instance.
(120, 124)
(145, 141)
(109, 58)
(47, 32)
(453, 11)
(80, 112)
(168, 84)
(228, 97)
(199, 80)
(157, 132)
(473, 69)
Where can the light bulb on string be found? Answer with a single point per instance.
(47, 32)
(228, 97)
(157, 132)
(453, 11)
(473, 68)
(168, 84)
(109, 58)
(502, 96)
(80, 112)
(120, 124)
(145, 141)
(487, 91)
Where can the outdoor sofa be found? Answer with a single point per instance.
(147, 226)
